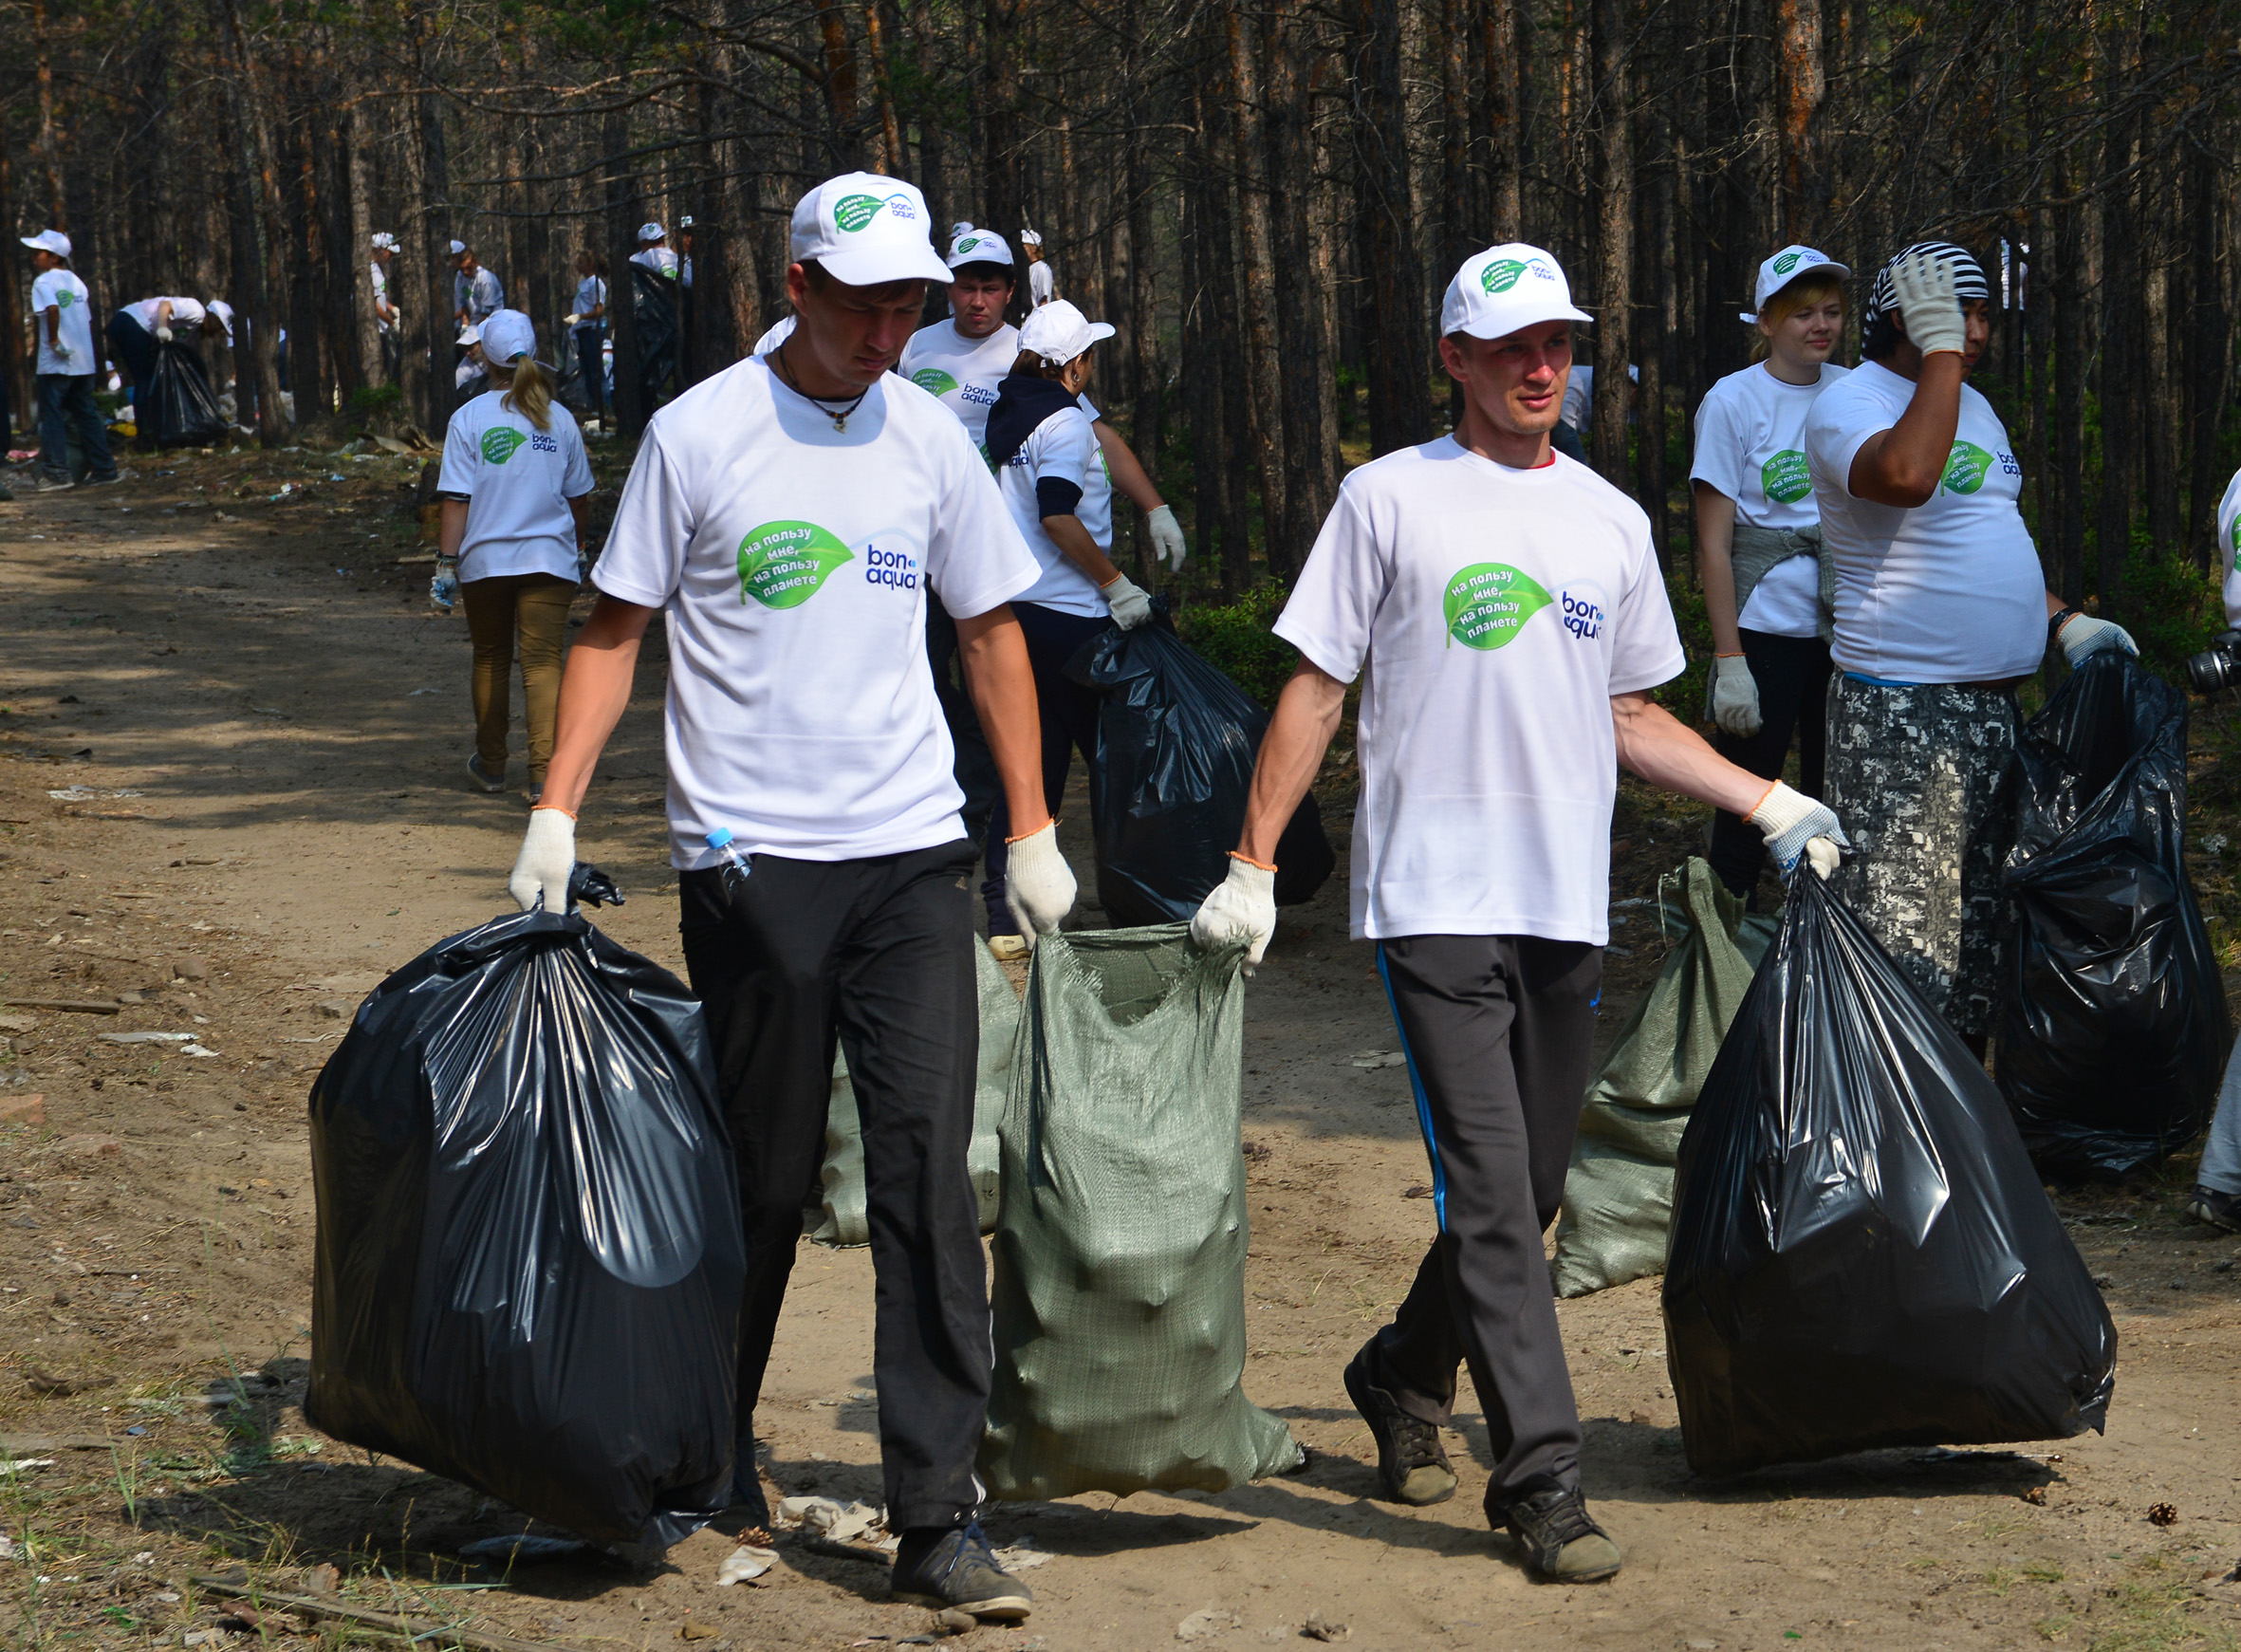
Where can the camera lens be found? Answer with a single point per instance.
(2217, 666)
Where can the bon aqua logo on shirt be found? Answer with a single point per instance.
(1966, 468)
(782, 565)
(1784, 478)
(1489, 603)
(498, 444)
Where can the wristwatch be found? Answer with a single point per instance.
(2057, 620)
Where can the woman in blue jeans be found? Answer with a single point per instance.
(1054, 478)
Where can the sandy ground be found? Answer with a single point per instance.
(258, 728)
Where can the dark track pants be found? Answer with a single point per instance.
(1793, 674)
(1498, 1030)
(1068, 714)
(876, 953)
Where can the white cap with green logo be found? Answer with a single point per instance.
(1506, 288)
(1785, 267)
(980, 246)
(867, 230)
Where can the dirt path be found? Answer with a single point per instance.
(259, 727)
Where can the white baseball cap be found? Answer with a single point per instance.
(53, 241)
(471, 334)
(865, 229)
(223, 311)
(651, 232)
(1028, 238)
(980, 246)
(507, 333)
(384, 241)
(457, 248)
(1785, 267)
(1506, 288)
(1058, 333)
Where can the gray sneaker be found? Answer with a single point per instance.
(955, 1566)
(1560, 1540)
(1411, 1461)
(483, 778)
(55, 485)
(2220, 1210)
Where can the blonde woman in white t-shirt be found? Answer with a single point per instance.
(1758, 544)
(516, 485)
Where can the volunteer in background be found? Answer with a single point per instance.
(135, 329)
(2218, 1183)
(585, 323)
(788, 514)
(66, 367)
(477, 292)
(685, 253)
(471, 375)
(1940, 611)
(387, 318)
(516, 485)
(1042, 283)
(1054, 483)
(654, 303)
(1766, 577)
(1505, 609)
(654, 251)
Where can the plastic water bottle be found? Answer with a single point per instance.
(732, 860)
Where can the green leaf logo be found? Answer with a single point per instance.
(1489, 603)
(782, 565)
(1966, 468)
(498, 444)
(934, 380)
(1788, 261)
(1784, 478)
(64, 299)
(968, 244)
(1501, 277)
(857, 211)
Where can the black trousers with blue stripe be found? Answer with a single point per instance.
(1499, 1031)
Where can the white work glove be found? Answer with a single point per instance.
(1038, 885)
(1928, 304)
(2082, 637)
(571, 318)
(62, 348)
(1167, 538)
(164, 333)
(1795, 824)
(443, 590)
(1131, 608)
(1241, 907)
(547, 856)
(1736, 695)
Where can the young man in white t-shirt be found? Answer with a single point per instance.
(787, 517)
(1940, 611)
(66, 367)
(1504, 607)
(960, 360)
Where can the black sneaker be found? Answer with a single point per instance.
(1560, 1538)
(1411, 1461)
(953, 1566)
(2220, 1210)
(747, 1497)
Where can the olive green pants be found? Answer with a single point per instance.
(538, 605)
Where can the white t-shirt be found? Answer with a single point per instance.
(479, 295)
(963, 373)
(1751, 445)
(1950, 592)
(775, 335)
(1062, 447)
(186, 313)
(518, 481)
(590, 293)
(380, 293)
(2229, 539)
(1489, 763)
(62, 291)
(660, 260)
(793, 560)
(1042, 283)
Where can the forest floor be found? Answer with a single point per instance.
(232, 737)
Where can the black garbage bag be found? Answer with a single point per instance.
(2113, 1032)
(654, 305)
(1862, 1253)
(530, 1260)
(1177, 741)
(177, 409)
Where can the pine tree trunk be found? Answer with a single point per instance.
(1265, 393)
(2209, 354)
(631, 411)
(1614, 243)
(2069, 394)
(248, 106)
(1391, 314)
(1505, 76)
(1310, 468)
(2119, 341)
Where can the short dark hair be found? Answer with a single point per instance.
(984, 268)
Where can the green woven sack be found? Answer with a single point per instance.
(1618, 1194)
(841, 1221)
(1120, 1251)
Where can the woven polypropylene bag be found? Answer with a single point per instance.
(1618, 1194)
(1120, 1251)
(841, 1221)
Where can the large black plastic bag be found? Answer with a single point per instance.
(178, 410)
(2113, 1032)
(529, 1261)
(1863, 1255)
(1177, 740)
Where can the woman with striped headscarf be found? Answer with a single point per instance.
(1940, 611)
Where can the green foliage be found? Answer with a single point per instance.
(1684, 695)
(1235, 637)
(2172, 608)
(374, 401)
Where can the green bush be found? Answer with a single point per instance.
(2172, 608)
(1235, 637)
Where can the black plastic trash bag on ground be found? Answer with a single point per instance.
(177, 409)
(2113, 1033)
(1119, 1294)
(1863, 1255)
(529, 1259)
(1177, 741)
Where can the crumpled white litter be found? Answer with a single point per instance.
(745, 1563)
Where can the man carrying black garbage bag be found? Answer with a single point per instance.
(788, 516)
(1504, 607)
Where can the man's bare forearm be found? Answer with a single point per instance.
(993, 651)
(595, 691)
(1307, 714)
(1669, 755)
